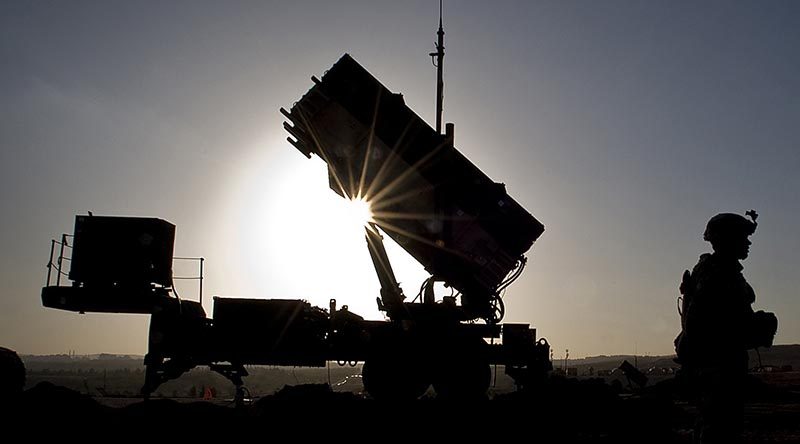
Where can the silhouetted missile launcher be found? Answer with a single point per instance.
(435, 203)
(452, 218)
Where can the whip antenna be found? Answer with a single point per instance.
(438, 61)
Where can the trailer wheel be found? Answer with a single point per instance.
(393, 379)
(394, 368)
(463, 371)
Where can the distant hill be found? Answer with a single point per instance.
(604, 362)
(102, 361)
(777, 355)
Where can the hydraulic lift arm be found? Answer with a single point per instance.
(391, 299)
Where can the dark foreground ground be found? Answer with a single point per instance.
(565, 410)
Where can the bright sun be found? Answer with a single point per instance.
(358, 212)
(297, 239)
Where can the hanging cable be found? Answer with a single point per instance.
(180, 301)
(422, 289)
(515, 274)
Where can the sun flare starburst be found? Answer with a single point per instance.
(359, 212)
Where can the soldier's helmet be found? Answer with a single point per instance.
(729, 225)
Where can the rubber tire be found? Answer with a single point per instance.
(463, 371)
(387, 377)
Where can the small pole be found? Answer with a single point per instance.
(201, 280)
(50, 261)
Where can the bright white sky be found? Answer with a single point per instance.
(622, 125)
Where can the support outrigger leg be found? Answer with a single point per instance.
(158, 371)
(234, 373)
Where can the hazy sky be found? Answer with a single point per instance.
(622, 125)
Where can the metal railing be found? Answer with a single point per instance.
(56, 264)
(61, 258)
(199, 277)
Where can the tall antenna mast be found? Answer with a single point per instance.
(438, 62)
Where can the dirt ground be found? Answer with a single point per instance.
(565, 410)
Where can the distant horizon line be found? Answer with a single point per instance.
(141, 356)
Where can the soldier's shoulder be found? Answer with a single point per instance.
(704, 264)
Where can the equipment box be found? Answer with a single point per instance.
(126, 251)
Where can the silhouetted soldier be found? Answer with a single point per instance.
(719, 326)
